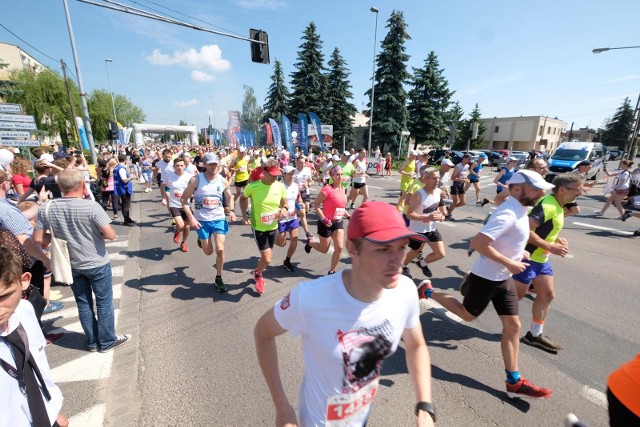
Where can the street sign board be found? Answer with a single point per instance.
(17, 118)
(11, 108)
(17, 125)
(15, 134)
(20, 143)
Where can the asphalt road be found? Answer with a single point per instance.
(193, 360)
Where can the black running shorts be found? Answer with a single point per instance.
(432, 236)
(179, 212)
(325, 231)
(457, 189)
(265, 239)
(482, 291)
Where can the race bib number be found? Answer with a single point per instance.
(242, 169)
(268, 217)
(177, 194)
(338, 214)
(210, 202)
(343, 409)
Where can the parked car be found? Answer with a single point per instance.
(475, 154)
(493, 157)
(615, 154)
(521, 157)
(505, 153)
(436, 156)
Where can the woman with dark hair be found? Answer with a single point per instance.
(107, 187)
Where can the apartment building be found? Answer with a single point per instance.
(523, 133)
(17, 59)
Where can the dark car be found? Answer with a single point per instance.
(436, 156)
(493, 157)
(615, 154)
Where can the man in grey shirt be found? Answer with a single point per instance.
(85, 226)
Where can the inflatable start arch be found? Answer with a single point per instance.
(141, 128)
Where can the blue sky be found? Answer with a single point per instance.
(511, 57)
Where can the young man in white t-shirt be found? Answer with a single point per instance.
(349, 323)
(501, 244)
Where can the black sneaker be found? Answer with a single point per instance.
(470, 251)
(220, 286)
(120, 340)
(541, 342)
(331, 272)
(287, 264)
(449, 217)
(636, 233)
(307, 248)
(406, 272)
(484, 201)
(626, 215)
(425, 269)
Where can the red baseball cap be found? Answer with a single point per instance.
(379, 222)
(257, 174)
(273, 170)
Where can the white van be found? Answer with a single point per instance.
(569, 154)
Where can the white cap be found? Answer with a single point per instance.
(242, 149)
(511, 159)
(346, 153)
(531, 178)
(336, 157)
(288, 169)
(446, 162)
(413, 152)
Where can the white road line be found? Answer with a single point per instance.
(118, 257)
(118, 244)
(446, 224)
(93, 366)
(77, 327)
(594, 396)
(93, 417)
(377, 188)
(597, 227)
(431, 304)
(117, 271)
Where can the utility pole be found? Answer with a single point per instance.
(73, 109)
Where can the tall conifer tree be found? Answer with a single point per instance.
(339, 109)
(616, 133)
(275, 104)
(308, 83)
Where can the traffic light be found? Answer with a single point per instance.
(259, 51)
(113, 131)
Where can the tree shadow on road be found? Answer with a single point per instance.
(152, 254)
(441, 332)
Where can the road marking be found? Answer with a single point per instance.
(597, 227)
(446, 224)
(431, 304)
(118, 244)
(594, 396)
(377, 188)
(93, 366)
(117, 271)
(118, 257)
(93, 416)
(77, 327)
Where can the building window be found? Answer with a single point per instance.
(497, 129)
(549, 129)
(540, 131)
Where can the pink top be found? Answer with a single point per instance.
(21, 179)
(109, 186)
(333, 206)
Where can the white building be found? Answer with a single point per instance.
(526, 133)
(17, 59)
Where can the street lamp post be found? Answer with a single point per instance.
(633, 149)
(373, 79)
(113, 104)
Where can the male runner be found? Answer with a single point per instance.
(546, 220)
(164, 166)
(459, 178)
(359, 180)
(408, 171)
(290, 222)
(426, 207)
(268, 205)
(209, 190)
(500, 243)
(240, 165)
(303, 177)
(178, 181)
(350, 323)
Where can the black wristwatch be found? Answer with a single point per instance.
(427, 407)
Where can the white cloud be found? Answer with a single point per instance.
(625, 78)
(261, 4)
(209, 57)
(186, 104)
(201, 76)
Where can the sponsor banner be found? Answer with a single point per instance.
(317, 125)
(373, 166)
(327, 135)
(286, 128)
(303, 132)
(17, 118)
(275, 130)
(17, 125)
(11, 108)
(20, 142)
(14, 134)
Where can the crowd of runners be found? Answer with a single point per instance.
(207, 191)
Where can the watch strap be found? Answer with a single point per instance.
(427, 407)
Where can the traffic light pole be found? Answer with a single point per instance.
(83, 94)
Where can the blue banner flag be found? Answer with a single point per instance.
(244, 138)
(303, 129)
(286, 128)
(275, 130)
(251, 141)
(315, 121)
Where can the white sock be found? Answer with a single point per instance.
(423, 263)
(536, 329)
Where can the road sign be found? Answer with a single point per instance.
(17, 118)
(20, 142)
(11, 108)
(17, 125)
(14, 134)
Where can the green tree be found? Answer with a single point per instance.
(250, 118)
(101, 112)
(465, 131)
(455, 125)
(278, 95)
(429, 100)
(340, 110)
(308, 83)
(617, 131)
(7, 87)
(44, 96)
(390, 113)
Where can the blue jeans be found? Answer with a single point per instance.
(100, 332)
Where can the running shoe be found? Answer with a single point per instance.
(52, 307)
(598, 213)
(55, 296)
(541, 342)
(352, 206)
(173, 222)
(51, 338)
(470, 251)
(523, 389)
(120, 340)
(176, 237)
(478, 203)
(259, 284)
(307, 248)
(570, 420)
(419, 257)
(626, 216)
(220, 286)
(531, 290)
(199, 243)
(425, 289)
(425, 269)
(406, 272)
(287, 264)
(484, 201)
(331, 272)
(636, 233)
(183, 247)
(449, 217)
